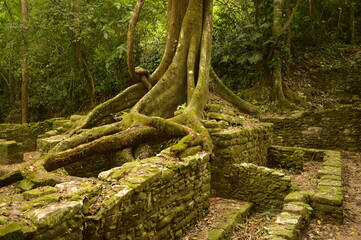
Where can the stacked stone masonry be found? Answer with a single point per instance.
(328, 199)
(10, 152)
(338, 128)
(292, 220)
(27, 134)
(324, 203)
(262, 186)
(155, 198)
(159, 197)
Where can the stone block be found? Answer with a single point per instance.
(10, 152)
(329, 171)
(296, 197)
(332, 199)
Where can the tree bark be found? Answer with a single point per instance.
(277, 91)
(288, 39)
(352, 22)
(24, 67)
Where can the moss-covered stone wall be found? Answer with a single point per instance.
(154, 198)
(292, 158)
(238, 145)
(264, 187)
(338, 128)
(27, 134)
(236, 168)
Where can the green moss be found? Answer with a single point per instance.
(26, 185)
(41, 201)
(328, 198)
(297, 197)
(216, 234)
(38, 192)
(17, 230)
(3, 220)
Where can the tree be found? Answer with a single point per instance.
(351, 4)
(24, 67)
(182, 78)
(271, 85)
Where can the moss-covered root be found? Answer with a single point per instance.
(122, 101)
(221, 90)
(87, 135)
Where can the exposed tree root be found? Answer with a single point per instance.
(221, 90)
(122, 101)
(262, 92)
(182, 77)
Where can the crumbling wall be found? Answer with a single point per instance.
(338, 128)
(155, 198)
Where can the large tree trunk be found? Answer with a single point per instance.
(182, 77)
(24, 68)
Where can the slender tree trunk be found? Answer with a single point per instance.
(86, 75)
(24, 68)
(256, 6)
(352, 22)
(277, 92)
(288, 39)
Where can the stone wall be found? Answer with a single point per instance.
(327, 199)
(338, 128)
(292, 158)
(264, 187)
(238, 145)
(27, 134)
(154, 198)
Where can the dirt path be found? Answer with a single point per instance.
(351, 228)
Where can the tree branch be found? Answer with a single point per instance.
(131, 32)
(283, 29)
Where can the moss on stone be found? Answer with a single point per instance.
(38, 192)
(41, 201)
(26, 185)
(3, 220)
(328, 198)
(16, 231)
(216, 234)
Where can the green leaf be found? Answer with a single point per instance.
(255, 36)
(256, 57)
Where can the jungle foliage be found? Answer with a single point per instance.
(77, 49)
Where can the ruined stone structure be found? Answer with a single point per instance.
(338, 128)
(160, 197)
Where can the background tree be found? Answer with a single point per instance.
(24, 65)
